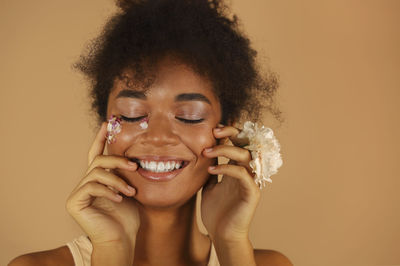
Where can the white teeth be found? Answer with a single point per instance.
(159, 167)
(153, 166)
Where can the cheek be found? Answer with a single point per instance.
(198, 139)
(124, 139)
(195, 138)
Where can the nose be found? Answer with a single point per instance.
(159, 132)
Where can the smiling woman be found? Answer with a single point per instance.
(182, 110)
(169, 78)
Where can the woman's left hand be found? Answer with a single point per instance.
(227, 207)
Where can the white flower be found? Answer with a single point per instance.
(265, 151)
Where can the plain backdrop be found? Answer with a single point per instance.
(335, 200)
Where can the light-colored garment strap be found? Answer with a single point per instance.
(81, 249)
(213, 261)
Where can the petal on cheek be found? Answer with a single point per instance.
(113, 128)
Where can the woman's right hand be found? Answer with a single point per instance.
(104, 215)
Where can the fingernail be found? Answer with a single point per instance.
(220, 125)
(131, 189)
(217, 129)
(212, 167)
(132, 165)
(208, 149)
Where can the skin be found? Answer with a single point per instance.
(167, 135)
(165, 207)
(153, 223)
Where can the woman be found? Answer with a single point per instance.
(169, 80)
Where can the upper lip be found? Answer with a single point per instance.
(156, 158)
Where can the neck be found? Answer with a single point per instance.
(171, 237)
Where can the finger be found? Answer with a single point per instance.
(100, 175)
(84, 196)
(237, 154)
(235, 171)
(231, 133)
(98, 144)
(223, 141)
(112, 162)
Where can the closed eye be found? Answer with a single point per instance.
(132, 119)
(189, 121)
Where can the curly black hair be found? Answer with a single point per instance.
(198, 33)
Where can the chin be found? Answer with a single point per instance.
(165, 194)
(159, 197)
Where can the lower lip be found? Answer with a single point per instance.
(159, 177)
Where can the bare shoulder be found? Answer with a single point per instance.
(266, 257)
(59, 256)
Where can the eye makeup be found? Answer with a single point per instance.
(132, 111)
(191, 117)
(188, 117)
(190, 121)
(140, 118)
(131, 119)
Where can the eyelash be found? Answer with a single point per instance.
(187, 121)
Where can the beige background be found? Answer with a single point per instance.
(335, 201)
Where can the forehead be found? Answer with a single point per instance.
(169, 76)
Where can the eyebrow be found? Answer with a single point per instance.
(192, 97)
(131, 94)
(179, 98)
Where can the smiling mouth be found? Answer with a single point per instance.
(160, 166)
